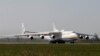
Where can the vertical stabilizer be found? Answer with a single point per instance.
(54, 28)
(23, 29)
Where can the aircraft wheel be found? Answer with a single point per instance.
(72, 42)
(53, 42)
(61, 42)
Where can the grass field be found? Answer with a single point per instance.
(49, 50)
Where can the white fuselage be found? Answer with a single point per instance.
(65, 35)
(69, 35)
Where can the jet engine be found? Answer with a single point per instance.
(52, 36)
(30, 37)
(81, 37)
(42, 37)
(86, 37)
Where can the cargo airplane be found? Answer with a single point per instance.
(55, 36)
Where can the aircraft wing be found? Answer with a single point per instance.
(41, 35)
(87, 36)
(36, 34)
(84, 34)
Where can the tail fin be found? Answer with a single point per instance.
(54, 28)
(23, 29)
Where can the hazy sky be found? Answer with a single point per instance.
(38, 15)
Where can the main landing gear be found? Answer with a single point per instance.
(57, 41)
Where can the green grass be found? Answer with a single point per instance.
(49, 50)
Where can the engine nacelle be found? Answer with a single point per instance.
(84, 37)
(87, 37)
(81, 37)
(42, 37)
(52, 36)
(31, 37)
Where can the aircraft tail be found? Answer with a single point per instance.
(23, 29)
(54, 28)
